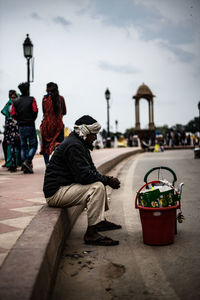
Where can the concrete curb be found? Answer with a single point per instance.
(29, 270)
(106, 166)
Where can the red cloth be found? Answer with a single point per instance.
(34, 105)
(50, 127)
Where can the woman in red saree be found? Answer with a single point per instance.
(51, 128)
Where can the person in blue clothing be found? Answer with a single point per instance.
(72, 179)
(25, 111)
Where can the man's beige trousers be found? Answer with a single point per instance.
(93, 196)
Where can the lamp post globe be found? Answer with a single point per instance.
(107, 96)
(28, 47)
(28, 54)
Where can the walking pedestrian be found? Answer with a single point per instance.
(52, 127)
(72, 179)
(6, 112)
(25, 111)
(12, 136)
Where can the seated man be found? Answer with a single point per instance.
(72, 179)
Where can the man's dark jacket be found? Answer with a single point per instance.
(24, 113)
(70, 163)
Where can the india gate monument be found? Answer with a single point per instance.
(144, 92)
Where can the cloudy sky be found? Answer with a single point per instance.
(86, 46)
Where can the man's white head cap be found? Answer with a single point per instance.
(86, 125)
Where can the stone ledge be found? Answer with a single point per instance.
(30, 268)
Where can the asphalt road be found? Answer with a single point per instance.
(134, 270)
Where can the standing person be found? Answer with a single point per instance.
(12, 136)
(6, 112)
(72, 179)
(25, 111)
(52, 127)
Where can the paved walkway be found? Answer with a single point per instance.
(21, 197)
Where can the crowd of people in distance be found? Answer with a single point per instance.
(177, 138)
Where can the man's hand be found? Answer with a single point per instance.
(113, 182)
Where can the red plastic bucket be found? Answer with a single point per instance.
(158, 224)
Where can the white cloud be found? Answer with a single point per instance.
(91, 48)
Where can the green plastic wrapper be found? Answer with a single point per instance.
(158, 197)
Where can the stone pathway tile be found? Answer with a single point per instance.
(17, 223)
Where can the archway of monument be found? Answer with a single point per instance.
(144, 114)
(144, 92)
(148, 134)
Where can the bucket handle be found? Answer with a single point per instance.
(159, 168)
(153, 182)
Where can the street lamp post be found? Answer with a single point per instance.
(116, 126)
(199, 120)
(197, 149)
(28, 54)
(107, 96)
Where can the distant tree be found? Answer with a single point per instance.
(178, 127)
(193, 125)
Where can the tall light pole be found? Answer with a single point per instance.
(116, 126)
(107, 96)
(28, 54)
(199, 120)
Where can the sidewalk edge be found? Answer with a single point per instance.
(30, 268)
